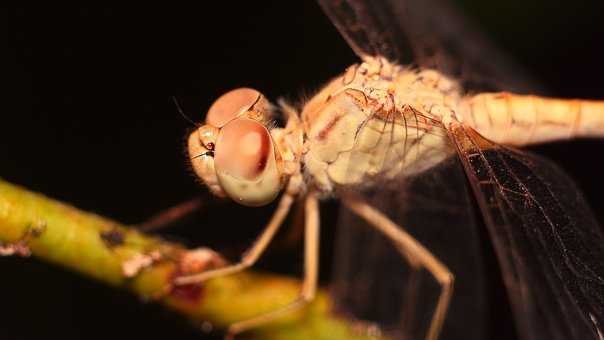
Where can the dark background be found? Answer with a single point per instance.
(87, 118)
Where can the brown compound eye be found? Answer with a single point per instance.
(246, 162)
(230, 105)
(243, 149)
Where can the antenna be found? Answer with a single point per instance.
(182, 113)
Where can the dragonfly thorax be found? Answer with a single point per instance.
(377, 120)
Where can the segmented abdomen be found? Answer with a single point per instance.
(524, 119)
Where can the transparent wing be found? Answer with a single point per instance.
(427, 197)
(373, 283)
(549, 246)
(419, 184)
(430, 34)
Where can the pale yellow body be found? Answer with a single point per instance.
(524, 119)
(380, 119)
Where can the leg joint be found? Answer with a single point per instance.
(307, 296)
(447, 279)
(247, 262)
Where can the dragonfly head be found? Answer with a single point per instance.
(234, 153)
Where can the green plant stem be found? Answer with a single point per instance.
(99, 248)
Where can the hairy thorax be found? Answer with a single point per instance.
(377, 120)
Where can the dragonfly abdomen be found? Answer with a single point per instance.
(513, 119)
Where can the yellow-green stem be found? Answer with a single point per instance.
(98, 247)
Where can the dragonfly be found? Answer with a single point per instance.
(425, 119)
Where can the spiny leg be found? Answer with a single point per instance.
(311, 270)
(253, 253)
(405, 241)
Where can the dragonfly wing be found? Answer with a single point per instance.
(371, 280)
(549, 246)
(429, 199)
(368, 27)
(430, 34)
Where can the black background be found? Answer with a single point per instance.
(87, 118)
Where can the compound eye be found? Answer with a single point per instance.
(242, 149)
(230, 105)
(245, 162)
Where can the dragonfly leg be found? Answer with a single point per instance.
(403, 240)
(410, 257)
(311, 271)
(171, 215)
(252, 255)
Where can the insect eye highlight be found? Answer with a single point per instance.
(245, 160)
(242, 149)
